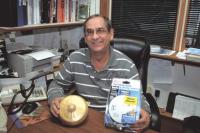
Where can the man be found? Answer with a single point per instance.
(92, 69)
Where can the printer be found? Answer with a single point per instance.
(26, 63)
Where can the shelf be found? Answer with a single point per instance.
(39, 26)
(174, 59)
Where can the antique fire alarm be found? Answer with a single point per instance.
(73, 110)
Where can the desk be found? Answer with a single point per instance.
(93, 124)
(169, 124)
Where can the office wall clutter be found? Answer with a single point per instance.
(168, 78)
(160, 78)
(50, 38)
(162, 74)
(56, 40)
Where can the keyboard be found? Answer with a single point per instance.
(38, 94)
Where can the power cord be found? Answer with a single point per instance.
(12, 110)
(9, 129)
(157, 94)
(23, 93)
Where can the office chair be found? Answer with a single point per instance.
(139, 51)
(191, 124)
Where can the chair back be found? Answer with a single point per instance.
(139, 51)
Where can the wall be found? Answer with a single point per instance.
(50, 38)
(168, 78)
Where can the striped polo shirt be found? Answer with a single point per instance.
(92, 85)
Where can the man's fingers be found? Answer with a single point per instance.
(55, 106)
(53, 111)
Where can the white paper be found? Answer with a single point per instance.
(164, 52)
(181, 55)
(195, 51)
(40, 55)
(161, 71)
(185, 107)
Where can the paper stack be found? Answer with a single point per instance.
(193, 54)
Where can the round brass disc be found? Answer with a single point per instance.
(73, 110)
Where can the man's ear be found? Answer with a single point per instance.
(84, 39)
(85, 42)
(112, 34)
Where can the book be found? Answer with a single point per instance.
(66, 9)
(194, 51)
(60, 10)
(193, 57)
(8, 13)
(123, 104)
(36, 10)
(73, 10)
(157, 50)
(21, 13)
(53, 11)
(30, 12)
(45, 11)
(23, 120)
(94, 7)
(83, 9)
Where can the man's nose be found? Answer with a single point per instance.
(95, 35)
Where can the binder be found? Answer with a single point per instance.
(8, 13)
(21, 13)
(60, 10)
(45, 11)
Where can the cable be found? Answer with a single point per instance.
(23, 93)
(9, 129)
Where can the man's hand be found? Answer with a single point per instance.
(143, 122)
(55, 106)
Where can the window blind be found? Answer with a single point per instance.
(154, 20)
(193, 28)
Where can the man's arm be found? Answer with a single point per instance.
(62, 82)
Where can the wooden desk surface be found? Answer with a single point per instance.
(170, 124)
(93, 124)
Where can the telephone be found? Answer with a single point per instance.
(3, 120)
(6, 95)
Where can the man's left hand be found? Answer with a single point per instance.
(143, 122)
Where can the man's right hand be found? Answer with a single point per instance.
(55, 106)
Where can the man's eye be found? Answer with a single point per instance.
(89, 32)
(100, 30)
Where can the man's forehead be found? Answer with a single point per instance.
(92, 28)
(96, 22)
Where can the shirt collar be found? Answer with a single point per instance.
(88, 61)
